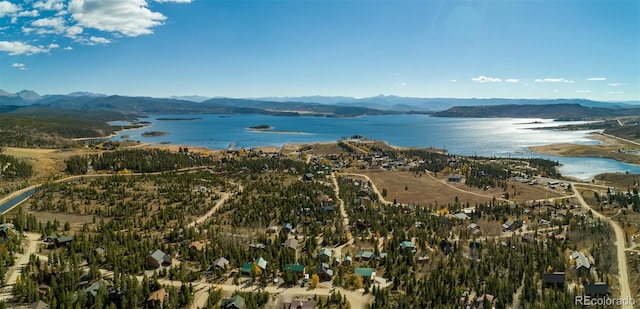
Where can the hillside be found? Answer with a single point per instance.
(337, 106)
(555, 111)
(42, 127)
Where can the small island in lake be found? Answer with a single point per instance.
(262, 127)
(155, 133)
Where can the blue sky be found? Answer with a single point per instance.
(237, 48)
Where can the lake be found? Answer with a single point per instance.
(501, 137)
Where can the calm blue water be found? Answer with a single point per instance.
(464, 136)
(16, 200)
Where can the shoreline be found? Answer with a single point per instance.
(116, 133)
(608, 148)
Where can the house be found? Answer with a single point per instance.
(63, 241)
(408, 245)
(100, 252)
(454, 179)
(221, 263)
(346, 260)
(324, 272)
(93, 289)
(581, 261)
(462, 216)
(235, 302)
(51, 238)
(39, 305)
(298, 304)
(597, 289)
(291, 243)
(262, 263)
(511, 225)
(157, 259)
(246, 268)
(324, 255)
(364, 255)
(554, 279)
(364, 272)
(297, 269)
(287, 228)
(308, 176)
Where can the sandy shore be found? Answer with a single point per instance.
(607, 148)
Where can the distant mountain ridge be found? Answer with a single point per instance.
(338, 106)
(562, 111)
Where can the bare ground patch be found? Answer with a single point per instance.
(409, 187)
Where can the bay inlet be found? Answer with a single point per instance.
(499, 137)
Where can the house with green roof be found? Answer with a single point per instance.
(364, 255)
(246, 268)
(235, 302)
(364, 272)
(297, 269)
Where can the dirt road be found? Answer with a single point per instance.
(22, 259)
(625, 291)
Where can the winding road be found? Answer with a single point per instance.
(625, 290)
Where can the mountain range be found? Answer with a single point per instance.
(338, 106)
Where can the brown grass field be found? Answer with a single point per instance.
(427, 189)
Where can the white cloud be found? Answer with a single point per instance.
(49, 5)
(484, 79)
(7, 8)
(556, 90)
(453, 81)
(99, 40)
(616, 84)
(583, 91)
(597, 78)
(19, 48)
(174, 1)
(126, 17)
(32, 13)
(553, 80)
(512, 80)
(68, 48)
(19, 66)
(50, 25)
(73, 31)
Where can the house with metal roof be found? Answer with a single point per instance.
(262, 263)
(235, 302)
(324, 255)
(581, 261)
(364, 272)
(157, 259)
